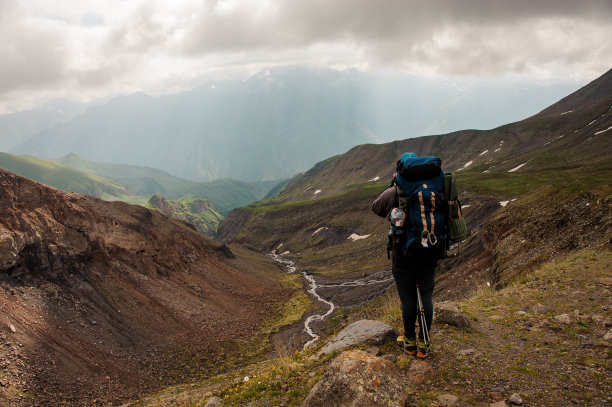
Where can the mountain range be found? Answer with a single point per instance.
(104, 302)
(314, 216)
(280, 121)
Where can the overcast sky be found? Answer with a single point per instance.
(84, 49)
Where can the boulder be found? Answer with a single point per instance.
(449, 313)
(364, 331)
(448, 400)
(563, 318)
(213, 402)
(357, 378)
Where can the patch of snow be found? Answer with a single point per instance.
(497, 149)
(516, 168)
(561, 136)
(485, 171)
(307, 189)
(467, 164)
(569, 111)
(603, 131)
(484, 152)
(318, 230)
(504, 203)
(317, 191)
(355, 237)
(547, 143)
(374, 179)
(465, 206)
(285, 252)
(591, 122)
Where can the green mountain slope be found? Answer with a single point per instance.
(199, 212)
(225, 194)
(313, 218)
(62, 177)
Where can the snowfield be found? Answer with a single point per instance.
(355, 237)
(517, 168)
(603, 131)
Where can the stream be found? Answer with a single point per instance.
(350, 293)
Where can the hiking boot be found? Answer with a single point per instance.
(408, 345)
(423, 348)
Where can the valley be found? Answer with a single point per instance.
(145, 310)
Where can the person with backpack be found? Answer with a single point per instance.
(415, 205)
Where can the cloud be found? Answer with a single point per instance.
(110, 46)
(439, 36)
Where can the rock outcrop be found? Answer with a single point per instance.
(357, 378)
(364, 331)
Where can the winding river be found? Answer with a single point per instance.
(379, 281)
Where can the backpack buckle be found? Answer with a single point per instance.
(434, 241)
(424, 238)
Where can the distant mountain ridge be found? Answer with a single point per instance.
(541, 167)
(279, 122)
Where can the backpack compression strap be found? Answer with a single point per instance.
(426, 235)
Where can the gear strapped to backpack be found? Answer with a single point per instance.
(419, 182)
(426, 208)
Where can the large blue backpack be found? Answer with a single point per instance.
(420, 196)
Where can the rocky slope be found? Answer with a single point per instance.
(105, 301)
(200, 213)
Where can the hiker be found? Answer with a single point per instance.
(415, 206)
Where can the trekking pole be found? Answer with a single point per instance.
(422, 320)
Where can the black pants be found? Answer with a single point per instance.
(416, 266)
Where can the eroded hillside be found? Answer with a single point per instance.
(107, 301)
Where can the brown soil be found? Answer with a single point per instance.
(103, 302)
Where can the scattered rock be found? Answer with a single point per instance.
(521, 313)
(418, 371)
(516, 399)
(499, 404)
(605, 281)
(390, 357)
(364, 331)
(449, 313)
(587, 342)
(357, 378)
(563, 318)
(373, 351)
(466, 352)
(496, 396)
(213, 402)
(495, 317)
(12, 328)
(608, 336)
(541, 309)
(448, 400)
